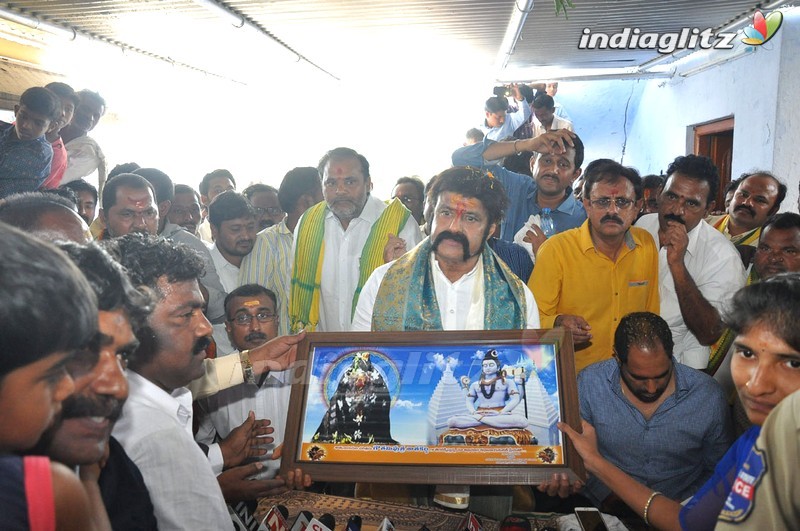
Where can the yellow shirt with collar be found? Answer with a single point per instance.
(572, 278)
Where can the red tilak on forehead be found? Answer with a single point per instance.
(461, 208)
(140, 204)
(339, 171)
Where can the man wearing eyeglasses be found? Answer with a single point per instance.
(699, 270)
(586, 279)
(264, 199)
(251, 319)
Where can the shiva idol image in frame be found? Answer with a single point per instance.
(465, 407)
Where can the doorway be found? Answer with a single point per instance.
(715, 140)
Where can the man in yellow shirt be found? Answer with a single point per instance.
(586, 279)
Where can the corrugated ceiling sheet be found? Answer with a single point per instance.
(550, 40)
(338, 34)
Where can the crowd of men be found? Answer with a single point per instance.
(182, 395)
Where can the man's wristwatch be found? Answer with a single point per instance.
(247, 367)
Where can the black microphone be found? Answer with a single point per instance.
(302, 521)
(328, 520)
(354, 523)
(386, 525)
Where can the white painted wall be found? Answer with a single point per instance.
(597, 109)
(786, 162)
(759, 90)
(745, 89)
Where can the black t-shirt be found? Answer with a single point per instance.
(124, 493)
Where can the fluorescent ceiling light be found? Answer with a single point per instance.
(513, 31)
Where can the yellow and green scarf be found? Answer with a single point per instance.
(746, 238)
(310, 251)
(406, 299)
(723, 344)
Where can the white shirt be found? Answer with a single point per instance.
(454, 299)
(340, 264)
(204, 232)
(156, 431)
(228, 273)
(558, 123)
(221, 413)
(716, 268)
(84, 157)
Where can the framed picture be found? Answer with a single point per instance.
(465, 407)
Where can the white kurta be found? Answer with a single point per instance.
(455, 300)
(716, 268)
(340, 264)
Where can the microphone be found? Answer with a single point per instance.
(470, 523)
(514, 522)
(302, 521)
(354, 523)
(238, 524)
(386, 525)
(275, 520)
(424, 528)
(326, 522)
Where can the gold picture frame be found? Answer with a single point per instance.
(392, 407)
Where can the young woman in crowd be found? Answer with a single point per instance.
(765, 369)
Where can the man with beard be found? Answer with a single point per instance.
(587, 279)
(452, 280)
(550, 187)
(251, 320)
(233, 226)
(155, 428)
(758, 196)
(699, 270)
(340, 242)
(81, 435)
(677, 415)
